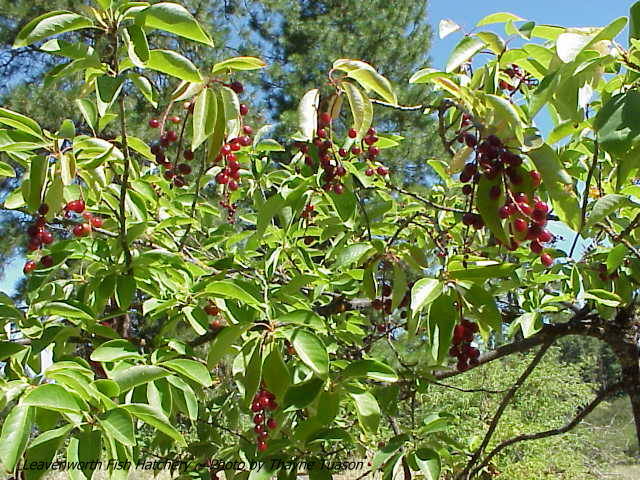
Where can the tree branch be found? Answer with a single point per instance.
(602, 395)
(503, 406)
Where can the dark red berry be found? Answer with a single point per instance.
(29, 267)
(243, 109)
(236, 87)
(188, 155)
(546, 259)
(46, 261)
(154, 123)
(43, 209)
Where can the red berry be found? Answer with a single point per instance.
(188, 155)
(243, 109)
(262, 445)
(225, 149)
(370, 139)
(468, 219)
(222, 178)
(258, 429)
(382, 170)
(154, 123)
(369, 172)
(233, 185)
(536, 178)
(545, 236)
(168, 174)
(374, 151)
(325, 118)
(371, 131)
(184, 169)
(78, 231)
(338, 188)
(272, 424)
(352, 133)
(520, 225)
(46, 261)
(356, 150)
(272, 405)
(175, 119)
(46, 237)
(29, 267)
(520, 197)
(536, 247)
(245, 141)
(236, 87)
(504, 212)
(43, 209)
(255, 407)
(546, 259)
(171, 136)
(525, 209)
(542, 206)
(258, 419)
(247, 130)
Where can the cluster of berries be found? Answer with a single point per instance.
(39, 236)
(384, 303)
(263, 401)
(331, 161)
(517, 77)
(461, 349)
(603, 273)
(230, 174)
(175, 174)
(211, 309)
(527, 216)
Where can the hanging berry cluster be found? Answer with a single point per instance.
(384, 304)
(212, 310)
(517, 78)
(461, 345)
(331, 162)
(40, 236)
(263, 402)
(176, 172)
(527, 214)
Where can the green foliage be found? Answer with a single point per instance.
(186, 291)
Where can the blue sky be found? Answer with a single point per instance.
(566, 13)
(569, 13)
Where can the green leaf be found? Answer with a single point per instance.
(67, 129)
(604, 297)
(131, 377)
(204, 117)
(308, 113)
(239, 64)
(15, 434)
(156, 419)
(222, 342)
(8, 349)
(107, 91)
(68, 310)
(634, 22)
(52, 397)
(443, 317)
(305, 318)
(428, 461)
(115, 350)
(43, 448)
(20, 122)
(37, 178)
(466, 48)
(616, 257)
(145, 88)
(372, 369)
(275, 374)
(388, 450)
(137, 45)
(616, 123)
(191, 369)
(605, 206)
(125, 291)
(174, 64)
(368, 411)
(89, 449)
(174, 18)
(361, 109)
(89, 111)
(49, 24)
(231, 289)
(302, 394)
(399, 285)
(372, 80)
(500, 17)
(424, 291)
(311, 351)
(6, 170)
(266, 213)
(480, 270)
(351, 254)
(118, 424)
(493, 41)
(488, 207)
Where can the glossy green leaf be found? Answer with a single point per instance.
(222, 343)
(605, 206)
(372, 369)
(156, 419)
(424, 291)
(204, 117)
(311, 351)
(119, 424)
(368, 411)
(616, 125)
(52, 397)
(238, 64)
(16, 428)
(49, 24)
(137, 45)
(174, 64)
(191, 369)
(429, 462)
(131, 377)
(500, 17)
(466, 48)
(174, 18)
(115, 350)
(43, 448)
(308, 113)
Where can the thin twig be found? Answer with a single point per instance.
(123, 186)
(585, 199)
(425, 200)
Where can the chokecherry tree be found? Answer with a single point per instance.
(199, 299)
